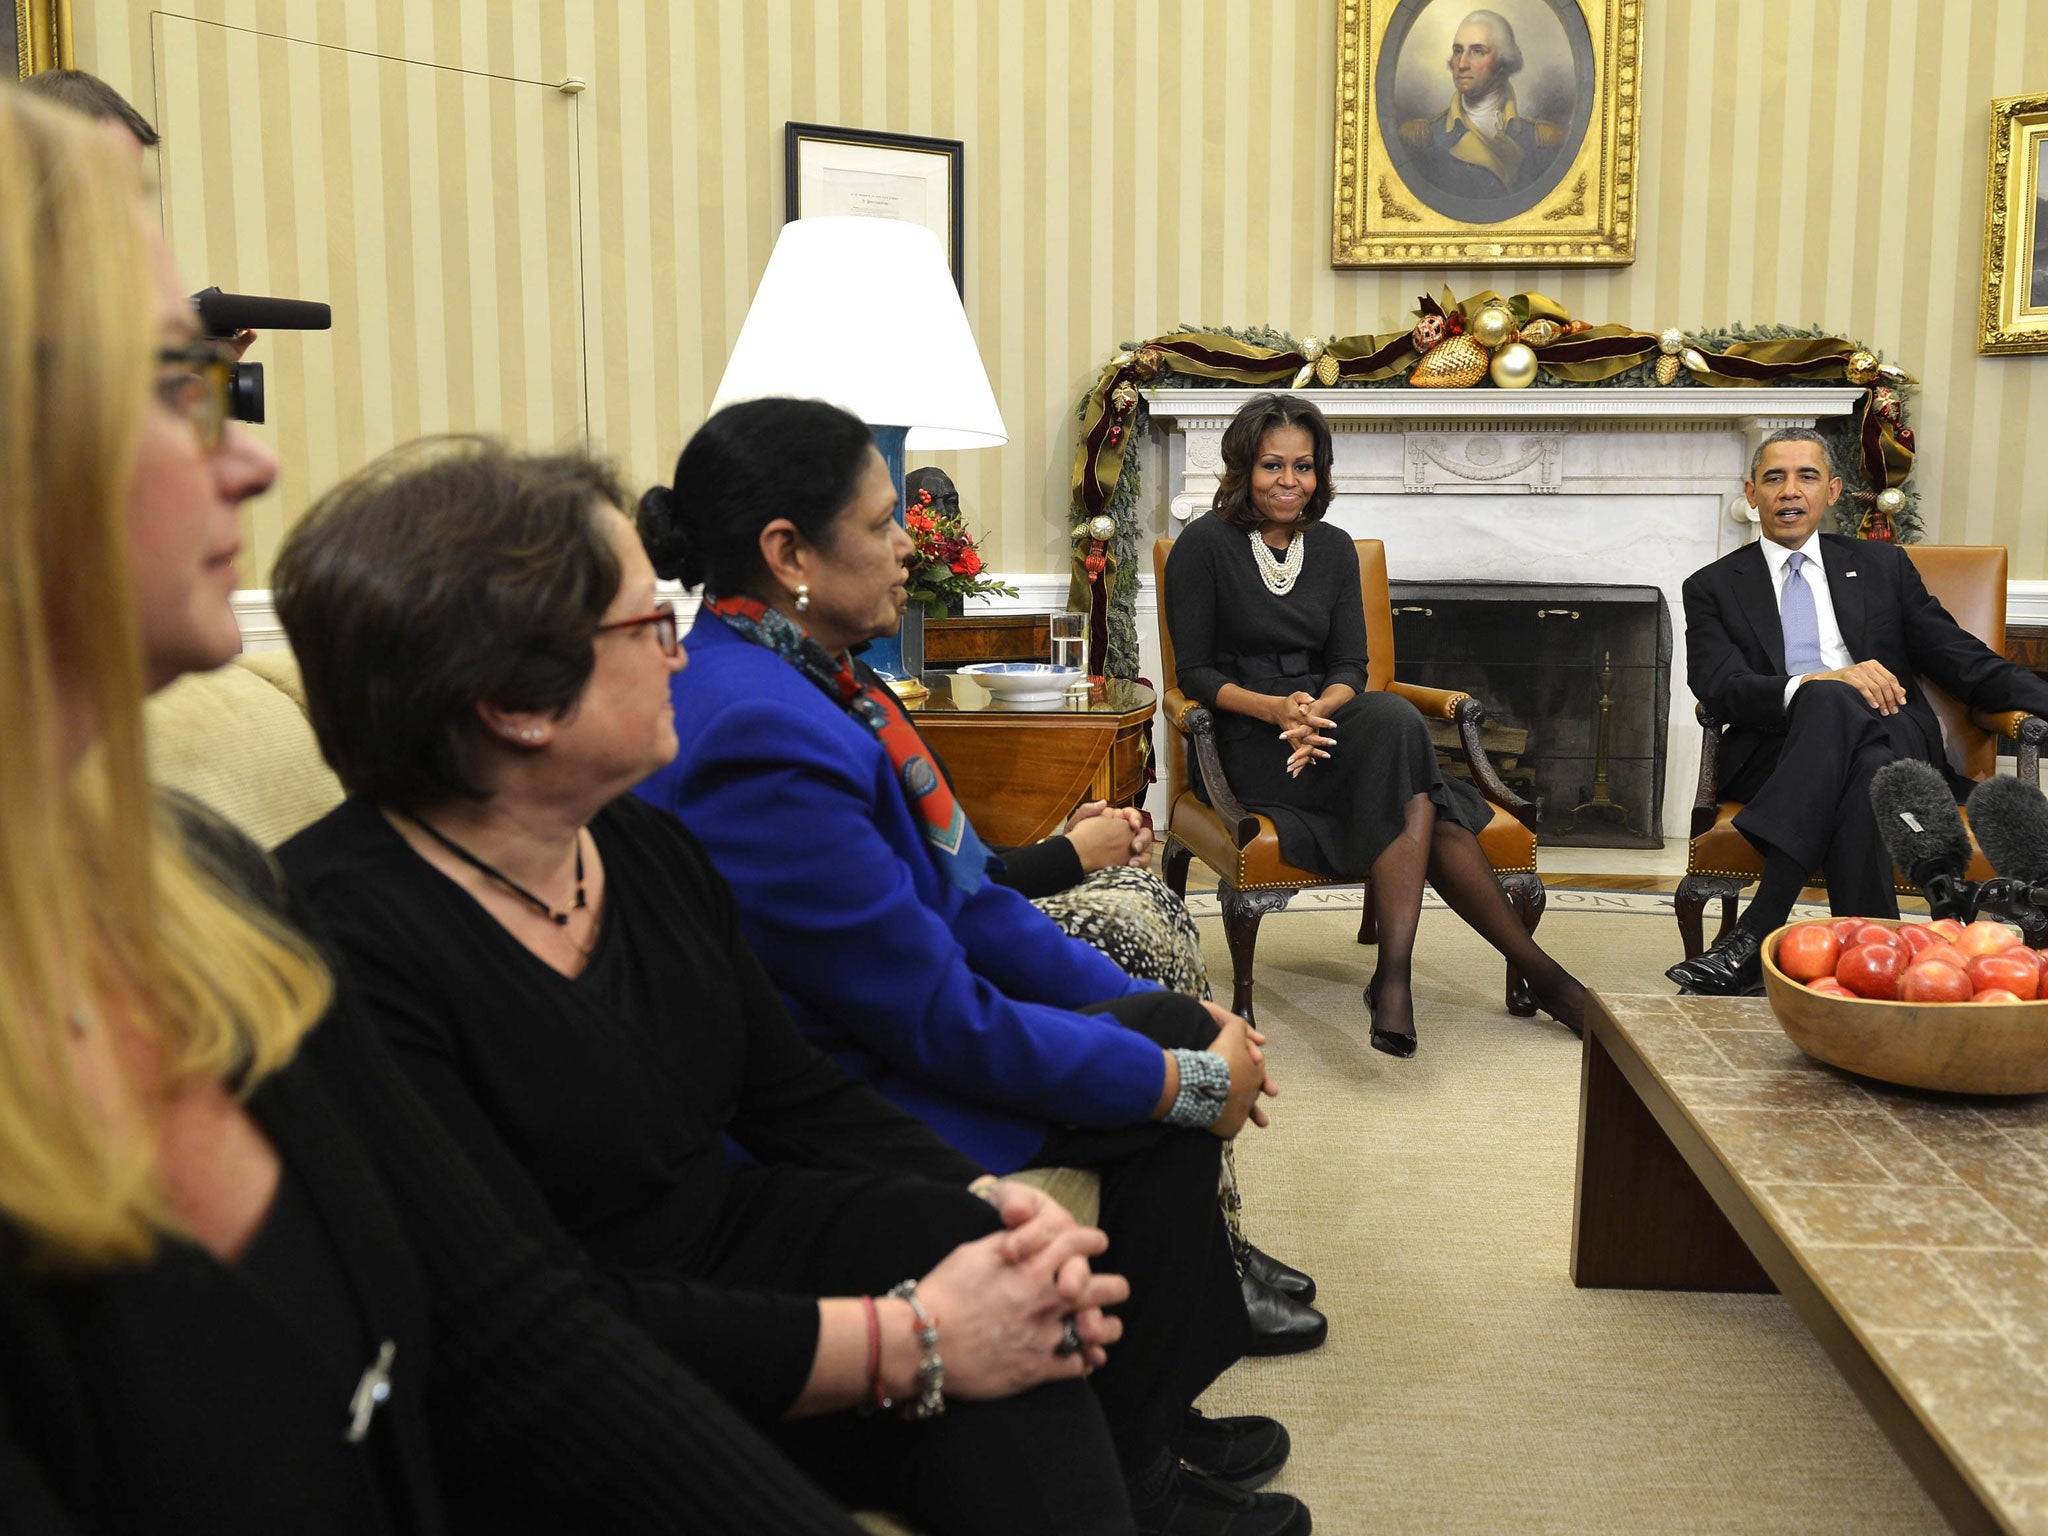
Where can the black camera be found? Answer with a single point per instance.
(222, 315)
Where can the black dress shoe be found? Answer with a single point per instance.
(1184, 1502)
(1280, 1324)
(1732, 968)
(1245, 1450)
(1283, 1278)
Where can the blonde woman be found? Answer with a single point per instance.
(244, 1286)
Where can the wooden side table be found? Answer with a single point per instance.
(1020, 768)
(987, 637)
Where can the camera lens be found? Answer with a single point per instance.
(245, 392)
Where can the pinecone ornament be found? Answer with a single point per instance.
(1429, 330)
(1458, 362)
(1541, 333)
(1668, 369)
(1326, 370)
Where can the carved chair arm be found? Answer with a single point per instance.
(1706, 795)
(1468, 714)
(2025, 731)
(1195, 722)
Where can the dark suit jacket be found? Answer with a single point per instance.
(1735, 660)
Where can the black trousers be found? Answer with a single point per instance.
(839, 1234)
(1185, 1323)
(1808, 793)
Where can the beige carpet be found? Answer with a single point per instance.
(1467, 1385)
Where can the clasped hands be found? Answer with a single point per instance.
(1872, 679)
(1302, 728)
(1103, 835)
(1003, 1302)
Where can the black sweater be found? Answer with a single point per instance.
(602, 1104)
(175, 1397)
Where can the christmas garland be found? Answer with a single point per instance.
(1524, 341)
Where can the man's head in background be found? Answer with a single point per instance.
(98, 100)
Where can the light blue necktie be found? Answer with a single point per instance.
(1802, 623)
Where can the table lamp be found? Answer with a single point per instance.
(864, 313)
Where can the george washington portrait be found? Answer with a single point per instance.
(1483, 109)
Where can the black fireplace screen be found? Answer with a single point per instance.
(1576, 681)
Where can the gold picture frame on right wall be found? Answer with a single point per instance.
(2015, 313)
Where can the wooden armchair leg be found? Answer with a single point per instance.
(1525, 890)
(1690, 903)
(1242, 911)
(1174, 866)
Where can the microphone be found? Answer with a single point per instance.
(223, 314)
(1924, 833)
(2011, 821)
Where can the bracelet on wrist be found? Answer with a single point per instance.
(1204, 1089)
(930, 1400)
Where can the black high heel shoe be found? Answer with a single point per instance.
(1386, 1040)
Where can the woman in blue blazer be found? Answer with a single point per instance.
(865, 892)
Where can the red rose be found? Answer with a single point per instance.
(969, 564)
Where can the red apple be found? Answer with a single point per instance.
(1984, 937)
(1877, 933)
(1872, 970)
(1947, 954)
(1933, 982)
(1948, 928)
(2014, 970)
(1846, 929)
(1918, 936)
(1994, 995)
(1808, 950)
(1827, 986)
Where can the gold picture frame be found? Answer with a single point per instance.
(1554, 183)
(2014, 317)
(42, 36)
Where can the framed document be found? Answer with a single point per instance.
(2015, 313)
(878, 175)
(1486, 138)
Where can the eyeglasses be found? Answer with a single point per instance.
(203, 395)
(664, 621)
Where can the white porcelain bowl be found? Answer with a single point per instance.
(1023, 681)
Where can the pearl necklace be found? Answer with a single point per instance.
(1279, 575)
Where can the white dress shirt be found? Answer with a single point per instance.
(1834, 652)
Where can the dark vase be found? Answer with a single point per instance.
(956, 606)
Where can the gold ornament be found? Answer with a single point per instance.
(1861, 368)
(1102, 526)
(1457, 362)
(1668, 369)
(1671, 342)
(1312, 348)
(1891, 501)
(1124, 397)
(1492, 327)
(1540, 333)
(1326, 370)
(1694, 359)
(1514, 366)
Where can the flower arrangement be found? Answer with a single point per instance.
(945, 566)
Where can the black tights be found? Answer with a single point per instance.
(1451, 859)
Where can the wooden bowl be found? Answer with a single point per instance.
(1954, 1047)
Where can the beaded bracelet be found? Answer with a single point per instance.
(930, 1401)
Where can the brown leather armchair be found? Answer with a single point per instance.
(1243, 848)
(1969, 581)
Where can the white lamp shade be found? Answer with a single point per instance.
(862, 312)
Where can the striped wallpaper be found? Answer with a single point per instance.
(1130, 165)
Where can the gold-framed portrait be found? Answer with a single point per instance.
(2014, 317)
(1501, 134)
(42, 36)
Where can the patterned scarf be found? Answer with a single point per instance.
(960, 854)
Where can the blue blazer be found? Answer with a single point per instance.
(958, 1007)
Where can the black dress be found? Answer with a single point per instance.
(1228, 627)
(188, 1395)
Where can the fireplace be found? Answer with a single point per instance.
(1576, 680)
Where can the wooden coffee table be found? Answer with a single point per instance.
(1908, 1230)
(1020, 768)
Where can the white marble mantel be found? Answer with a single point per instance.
(1614, 486)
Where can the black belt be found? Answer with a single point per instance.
(1276, 663)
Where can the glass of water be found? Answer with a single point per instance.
(1070, 640)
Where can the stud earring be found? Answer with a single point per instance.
(803, 597)
(530, 733)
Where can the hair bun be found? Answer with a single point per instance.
(668, 538)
